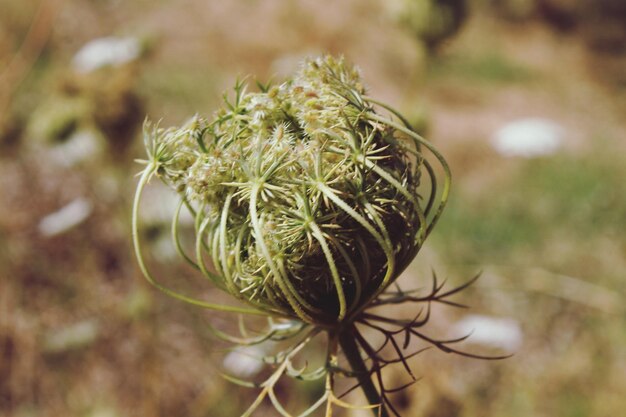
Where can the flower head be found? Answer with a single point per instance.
(309, 201)
(310, 198)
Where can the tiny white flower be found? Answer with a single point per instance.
(245, 361)
(66, 218)
(107, 51)
(501, 333)
(528, 138)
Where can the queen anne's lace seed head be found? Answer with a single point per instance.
(309, 201)
(310, 198)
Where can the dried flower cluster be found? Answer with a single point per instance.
(309, 203)
(307, 200)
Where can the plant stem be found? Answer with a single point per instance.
(350, 349)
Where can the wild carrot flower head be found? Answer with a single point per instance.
(307, 200)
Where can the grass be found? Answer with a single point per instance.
(487, 67)
(571, 195)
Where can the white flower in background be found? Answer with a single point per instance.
(79, 147)
(72, 337)
(528, 138)
(108, 51)
(245, 361)
(161, 203)
(66, 218)
(500, 333)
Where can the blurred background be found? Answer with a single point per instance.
(526, 99)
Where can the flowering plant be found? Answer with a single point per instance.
(309, 203)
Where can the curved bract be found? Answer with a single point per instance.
(307, 200)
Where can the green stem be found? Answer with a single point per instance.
(347, 341)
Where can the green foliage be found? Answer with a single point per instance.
(581, 190)
(55, 122)
(574, 195)
(486, 67)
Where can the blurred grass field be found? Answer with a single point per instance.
(82, 334)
